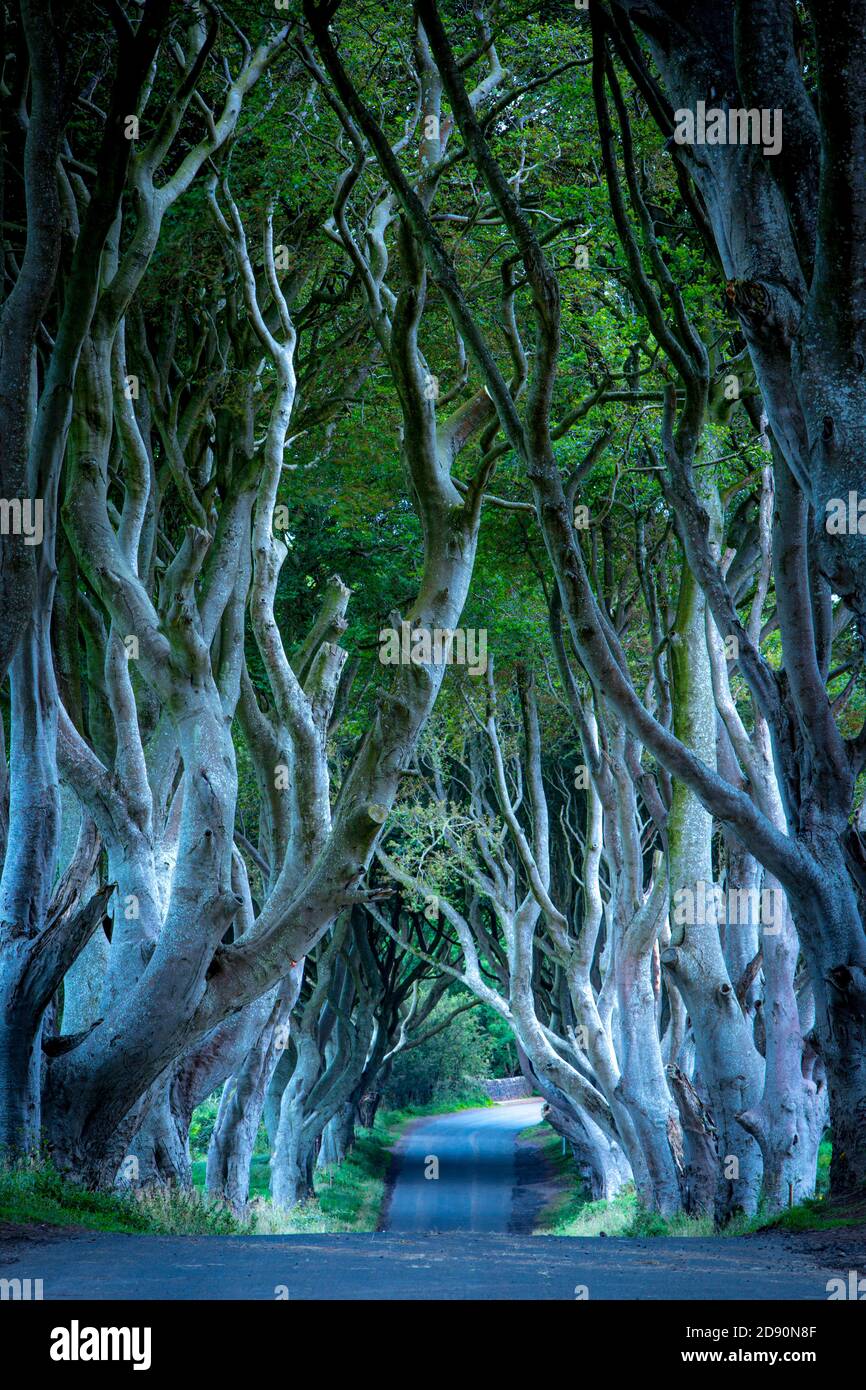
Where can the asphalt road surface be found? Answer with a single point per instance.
(388, 1266)
(459, 1172)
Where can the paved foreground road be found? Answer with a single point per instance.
(475, 1155)
(85, 1265)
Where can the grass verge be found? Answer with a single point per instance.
(571, 1213)
(35, 1192)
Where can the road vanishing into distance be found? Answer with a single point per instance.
(459, 1172)
(463, 1235)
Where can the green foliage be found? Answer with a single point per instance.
(623, 1215)
(201, 1125)
(351, 1193)
(571, 1213)
(502, 1057)
(822, 1182)
(439, 1069)
(201, 1128)
(815, 1215)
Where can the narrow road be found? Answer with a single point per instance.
(459, 1172)
(77, 1265)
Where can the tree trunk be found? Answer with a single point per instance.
(643, 1086)
(159, 1153)
(25, 886)
(232, 1144)
(338, 1136)
(20, 1033)
(600, 1160)
(729, 1064)
(700, 1152)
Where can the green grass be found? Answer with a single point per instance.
(572, 1214)
(35, 1192)
(817, 1215)
(445, 1105)
(557, 1218)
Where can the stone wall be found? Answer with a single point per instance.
(506, 1088)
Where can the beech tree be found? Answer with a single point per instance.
(796, 702)
(320, 339)
(159, 780)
